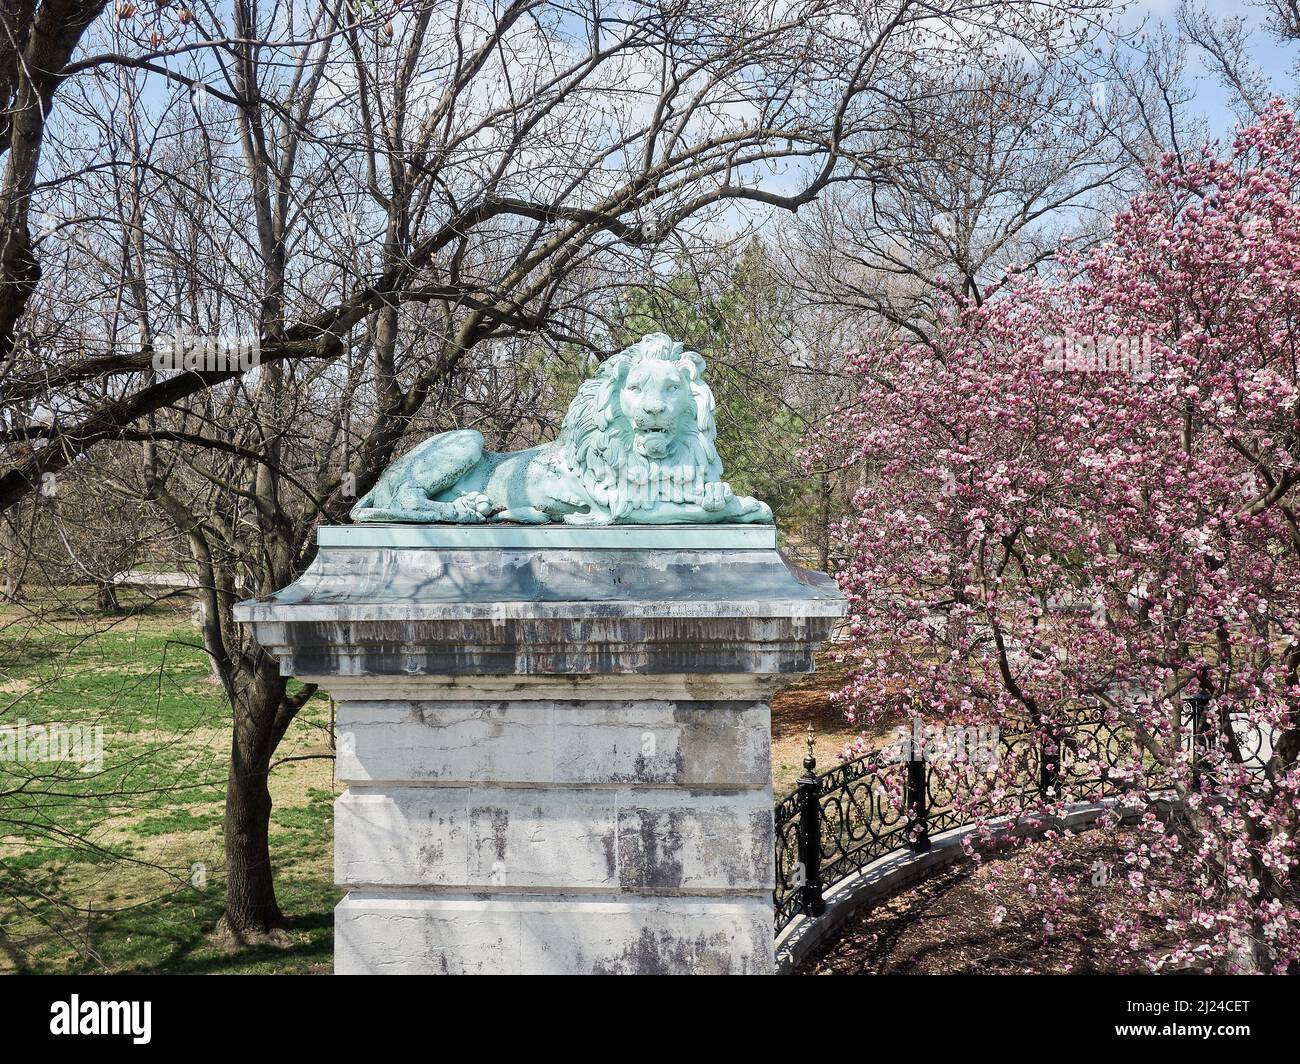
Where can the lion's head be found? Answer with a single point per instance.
(641, 429)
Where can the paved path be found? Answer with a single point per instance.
(143, 578)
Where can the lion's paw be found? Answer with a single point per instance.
(580, 518)
(753, 511)
(717, 496)
(471, 507)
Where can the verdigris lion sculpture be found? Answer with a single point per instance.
(637, 446)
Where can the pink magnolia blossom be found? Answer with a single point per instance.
(1035, 535)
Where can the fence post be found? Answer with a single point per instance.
(808, 789)
(1050, 763)
(917, 805)
(1202, 738)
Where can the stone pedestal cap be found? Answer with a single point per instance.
(466, 600)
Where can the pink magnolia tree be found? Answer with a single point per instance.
(1084, 495)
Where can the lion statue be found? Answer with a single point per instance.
(637, 446)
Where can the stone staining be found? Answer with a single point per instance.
(572, 860)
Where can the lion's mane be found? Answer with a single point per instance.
(597, 440)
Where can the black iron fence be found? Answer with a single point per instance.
(837, 822)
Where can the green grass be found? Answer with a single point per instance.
(97, 867)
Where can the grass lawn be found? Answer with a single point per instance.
(142, 882)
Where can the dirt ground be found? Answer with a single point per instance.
(805, 703)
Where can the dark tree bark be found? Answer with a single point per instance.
(106, 598)
(251, 906)
(36, 42)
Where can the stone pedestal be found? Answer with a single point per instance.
(555, 741)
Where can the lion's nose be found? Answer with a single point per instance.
(653, 406)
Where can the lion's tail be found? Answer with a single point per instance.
(376, 513)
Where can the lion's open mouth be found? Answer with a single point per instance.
(653, 442)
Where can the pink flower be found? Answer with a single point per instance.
(1031, 537)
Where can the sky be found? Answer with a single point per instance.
(1276, 60)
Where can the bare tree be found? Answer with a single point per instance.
(385, 206)
(1227, 44)
(1021, 153)
(36, 42)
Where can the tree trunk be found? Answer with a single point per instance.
(106, 598)
(13, 582)
(262, 714)
(251, 908)
(824, 523)
(32, 60)
(13, 558)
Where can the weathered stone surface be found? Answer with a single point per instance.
(548, 537)
(449, 611)
(650, 936)
(634, 643)
(695, 840)
(376, 934)
(692, 744)
(393, 583)
(511, 838)
(519, 934)
(558, 760)
(623, 687)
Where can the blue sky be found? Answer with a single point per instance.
(1276, 60)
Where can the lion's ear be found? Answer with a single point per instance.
(695, 364)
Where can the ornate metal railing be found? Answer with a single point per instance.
(837, 822)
